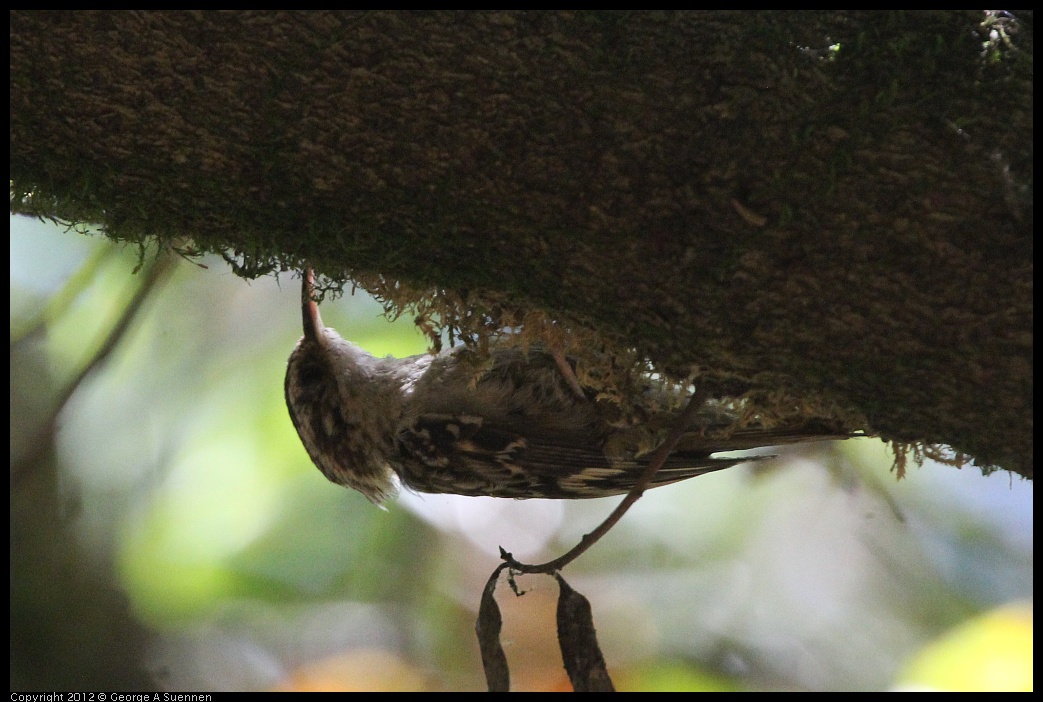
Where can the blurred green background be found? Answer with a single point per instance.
(170, 532)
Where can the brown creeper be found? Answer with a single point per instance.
(508, 426)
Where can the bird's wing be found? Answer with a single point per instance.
(465, 454)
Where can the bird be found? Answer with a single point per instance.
(513, 424)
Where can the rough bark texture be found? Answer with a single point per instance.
(836, 204)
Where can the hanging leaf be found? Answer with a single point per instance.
(579, 642)
(488, 626)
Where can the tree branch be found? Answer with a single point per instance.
(830, 207)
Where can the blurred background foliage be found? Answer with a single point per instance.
(169, 531)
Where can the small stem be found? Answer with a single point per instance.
(155, 275)
(658, 459)
(569, 374)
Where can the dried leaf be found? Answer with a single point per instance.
(494, 660)
(579, 642)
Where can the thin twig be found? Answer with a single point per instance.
(658, 459)
(568, 374)
(154, 275)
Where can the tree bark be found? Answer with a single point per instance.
(832, 204)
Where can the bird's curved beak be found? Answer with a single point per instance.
(309, 308)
